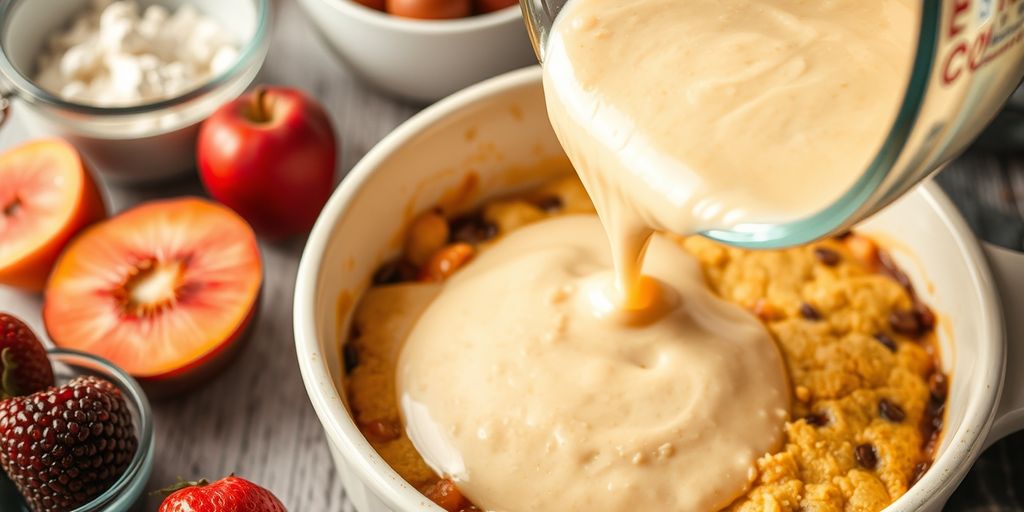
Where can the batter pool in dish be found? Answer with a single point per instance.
(527, 388)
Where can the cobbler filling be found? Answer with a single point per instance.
(858, 344)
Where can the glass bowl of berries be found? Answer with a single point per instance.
(82, 445)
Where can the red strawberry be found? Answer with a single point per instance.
(24, 367)
(231, 494)
(64, 446)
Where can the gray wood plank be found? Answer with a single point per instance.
(255, 419)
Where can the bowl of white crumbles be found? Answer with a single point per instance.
(129, 81)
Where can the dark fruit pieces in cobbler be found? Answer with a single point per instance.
(64, 446)
(24, 367)
(231, 494)
(436, 247)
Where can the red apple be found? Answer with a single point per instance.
(270, 156)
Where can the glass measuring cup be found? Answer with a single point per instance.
(969, 60)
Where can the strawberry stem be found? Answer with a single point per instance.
(181, 484)
(8, 380)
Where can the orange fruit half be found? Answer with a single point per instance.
(163, 290)
(46, 197)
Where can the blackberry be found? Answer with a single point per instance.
(67, 445)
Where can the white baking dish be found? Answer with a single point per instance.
(500, 126)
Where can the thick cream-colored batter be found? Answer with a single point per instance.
(524, 386)
(555, 374)
(692, 115)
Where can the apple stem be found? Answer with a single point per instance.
(260, 109)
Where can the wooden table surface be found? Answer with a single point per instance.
(255, 419)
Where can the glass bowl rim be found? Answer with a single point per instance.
(28, 90)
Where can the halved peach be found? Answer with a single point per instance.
(46, 196)
(164, 290)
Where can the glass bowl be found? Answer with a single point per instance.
(140, 143)
(122, 496)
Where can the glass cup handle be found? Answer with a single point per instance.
(1008, 270)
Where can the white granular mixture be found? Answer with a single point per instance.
(116, 54)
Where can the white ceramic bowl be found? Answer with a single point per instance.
(421, 60)
(497, 129)
(134, 144)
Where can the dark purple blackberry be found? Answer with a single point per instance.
(64, 446)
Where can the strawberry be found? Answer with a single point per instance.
(24, 367)
(65, 446)
(231, 494)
